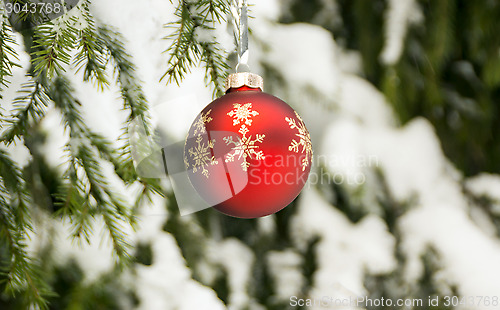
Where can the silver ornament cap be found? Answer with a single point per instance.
(240, 79)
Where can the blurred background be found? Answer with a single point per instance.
(403, 201)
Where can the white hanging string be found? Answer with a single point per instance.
(239, 11)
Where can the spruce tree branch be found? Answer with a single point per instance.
(188, 49)
(86, 193)
(51, 48)
(132, 94)
(29, 109)
(21, 272)
(217, 9)
(215, 66)
(12, 181)
(134, 101)
(85, 149)
(92, 52)
(7, 52)
(183, 51)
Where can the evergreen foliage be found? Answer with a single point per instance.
(195, 19)
(82, 193)
(445, 74)
(8, 55)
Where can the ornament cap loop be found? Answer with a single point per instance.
(240, 79)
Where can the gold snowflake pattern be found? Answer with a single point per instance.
(244, 148)
(199, 123)
(304, 140)
(242, 113)
(201, 156)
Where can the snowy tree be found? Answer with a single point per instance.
(402, 202)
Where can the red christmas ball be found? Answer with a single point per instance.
(248, 154)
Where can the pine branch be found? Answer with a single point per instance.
(124, 167)
(85, 148)
(133, 96)
(23, 274)
(85, 194)
(217, 9)
(29, 108)
(107, 204)
(88, 194)
(7, 52)
(134, 100)
(184, 51)
(216, 66)
(13, 182)
(92, 55)
(187, 50)
(51, 47)
(74, 204)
